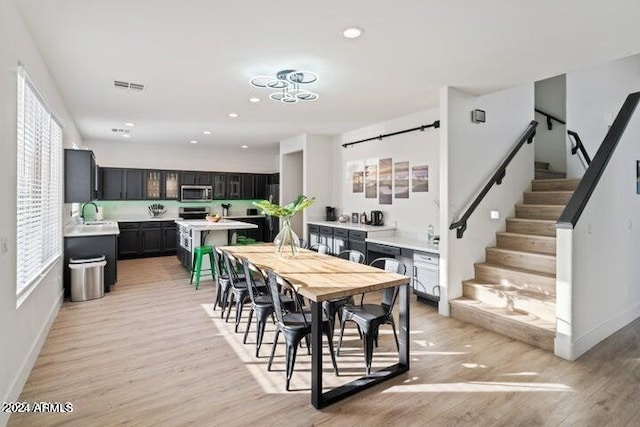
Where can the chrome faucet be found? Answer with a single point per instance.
(82, 209)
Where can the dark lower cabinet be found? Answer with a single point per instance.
(146, 239)
(358, 245)
(90, 246)
(151, 241)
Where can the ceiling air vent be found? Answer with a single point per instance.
(136, 87)
(120, 131)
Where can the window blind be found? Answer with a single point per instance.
(39, 187)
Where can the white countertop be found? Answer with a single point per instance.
(224, 224)
(405, 242)
(351, 226)
(244, 216)
(92, 228)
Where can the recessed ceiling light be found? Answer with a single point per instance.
(233, 115)
(193, 141)
(206, 132)
(126, 135)
(245, 146)
(254, 99)
(352, 33)
(130, 124)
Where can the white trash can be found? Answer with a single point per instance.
(87, 278)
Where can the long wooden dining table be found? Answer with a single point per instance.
(321, 278)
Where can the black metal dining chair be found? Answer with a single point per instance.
(369, 317)
(293, 325)
(239, 292)
(304, 244)
(222, 281)
(261, 302)
(321, 248)
(334, 307)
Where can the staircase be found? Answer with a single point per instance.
(513, 292)
(542, 171)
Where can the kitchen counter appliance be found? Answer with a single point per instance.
(426, 278)
(377, 218)
(331, 214)
(196, 193)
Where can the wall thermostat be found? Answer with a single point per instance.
(478, 116)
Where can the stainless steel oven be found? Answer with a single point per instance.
(196, 193)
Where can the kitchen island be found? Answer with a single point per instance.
(199, 232)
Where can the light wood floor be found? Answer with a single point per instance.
(152, 353)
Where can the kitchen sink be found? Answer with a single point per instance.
(98, 223)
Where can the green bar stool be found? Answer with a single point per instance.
(198, 254)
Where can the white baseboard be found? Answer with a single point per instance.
(578, 347)
(23, 373)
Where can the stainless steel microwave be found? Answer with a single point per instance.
(196, 193)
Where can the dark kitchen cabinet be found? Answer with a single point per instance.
(260, 186)
(195, 178)
(80, 176)
(122, 184)
(111, 183)
(234, 186)
(171, 185)
(248, 186)
(219, 185)
(148, 238)
(153, 184)
(169, 239)
(128, 241)
(133, 184)
(326, 237)
(357, 241)
(151, 238)
(254, 233)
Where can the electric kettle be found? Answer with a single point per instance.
(377, 218)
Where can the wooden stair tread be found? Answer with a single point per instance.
(547, 297)
(572, 180)
(526, 320)
(531, 205)
(523, 235)
(516, 269)
(535, 220)
(517, 252)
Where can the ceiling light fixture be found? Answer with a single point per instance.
(193, 141)
(206, 132)
(126, 135)
(245, 146)
(130, 124)
(288, 83)
(352, 33)
(233, 115)
(254, 100)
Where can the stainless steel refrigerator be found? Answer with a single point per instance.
(272, 194)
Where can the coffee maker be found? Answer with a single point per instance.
(331, 214)
(377, 218)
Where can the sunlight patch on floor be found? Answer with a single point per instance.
(479, 387)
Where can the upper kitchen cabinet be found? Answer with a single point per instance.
(260, 186)
(234, 186)
(248, 186)
(122, 184)
(195, 178)
(111, 183)
(219, 185)
(171, 185)
(80, 176)
(161, 185)
(153, 184)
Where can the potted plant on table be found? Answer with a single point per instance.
(287, 241)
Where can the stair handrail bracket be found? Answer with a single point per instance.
(527, 136)
(571, 214)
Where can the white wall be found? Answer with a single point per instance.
(190, 157)
(411, 215)
(598, 269)
(470, 154)
(594, 96)
(551, 145)
(311, 177)
(25, 328)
